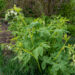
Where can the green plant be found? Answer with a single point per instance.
(71, 29)
(41, 45)
(67, 9)
(0, 59)
(2, 5)
(6, 65)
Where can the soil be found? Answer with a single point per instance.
(5, 35)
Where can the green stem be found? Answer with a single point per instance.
(34, 57)
(61, 49)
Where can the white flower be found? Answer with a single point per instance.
(15, 13)
(9, 47)
(11, 11)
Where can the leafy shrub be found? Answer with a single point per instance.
(72, 40)
(71, 28)
(41, 46)
(68, 10)
(2, 5)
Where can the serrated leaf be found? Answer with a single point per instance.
(38, 52)
(44, 45)
(46, 60)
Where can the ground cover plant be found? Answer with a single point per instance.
(39, 45)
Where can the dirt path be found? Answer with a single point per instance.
(5, 35)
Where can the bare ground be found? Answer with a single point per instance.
(5, 35)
